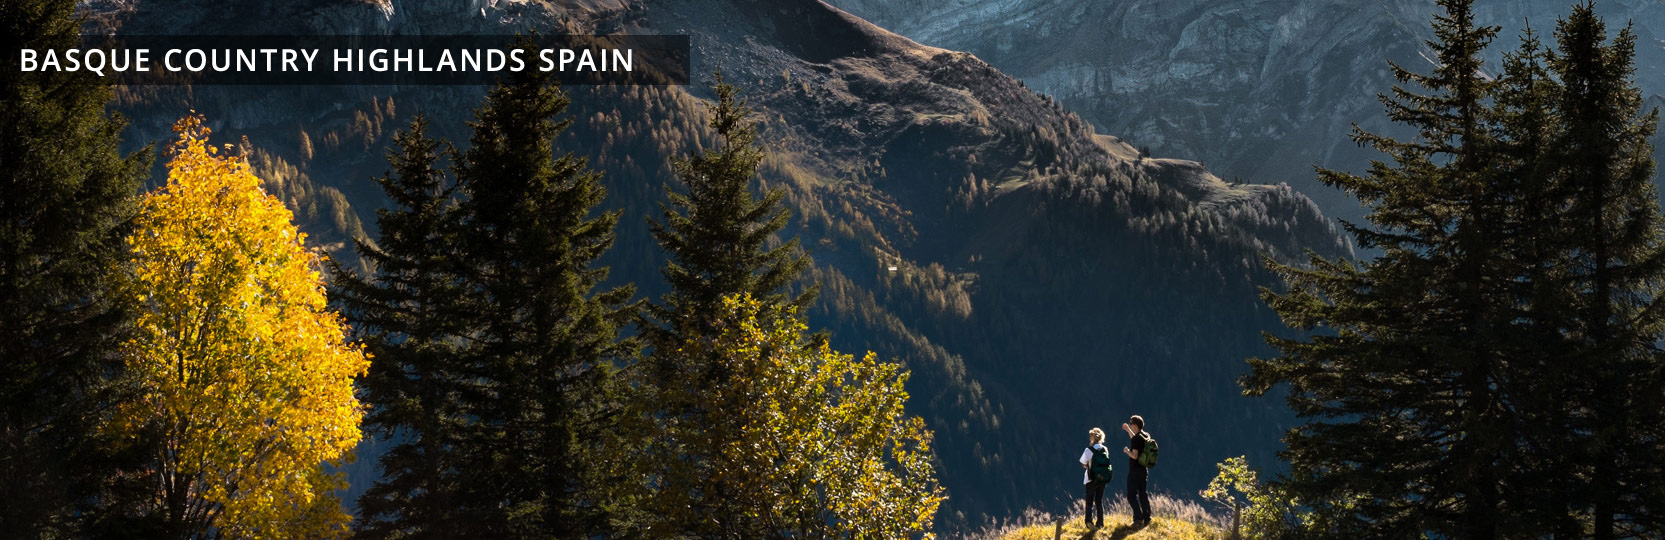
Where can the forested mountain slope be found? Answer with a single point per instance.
(1256, 89)
(1039, 278)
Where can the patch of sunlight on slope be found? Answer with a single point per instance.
(1174, 520)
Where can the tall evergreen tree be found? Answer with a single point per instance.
(1617, 256)
(716, 232)
(1408, 421)
(66, 196)
(498, 343)
(716, 235)
(1496, 371)
(546, 336)
(406, 317)
(1539, 387)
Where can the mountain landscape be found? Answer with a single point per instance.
(1259, 91)
(1036, 270)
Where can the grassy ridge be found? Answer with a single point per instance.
(1174, 519)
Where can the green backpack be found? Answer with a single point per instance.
(1099, 470)
(1147, 457)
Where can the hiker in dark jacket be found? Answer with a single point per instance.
(1138, 477)
(1096, 460)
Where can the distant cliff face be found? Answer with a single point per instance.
(1259, 90)
(1039, 278)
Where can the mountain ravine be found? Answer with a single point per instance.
(1039, 277)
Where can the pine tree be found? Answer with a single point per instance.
(717, 232)
(67, 194)
(406, 317)
(1528, 164)
(498, 343)
(716, 236)
(1495, 372)
(1617, 257)
(546, 340)
(1409, 424)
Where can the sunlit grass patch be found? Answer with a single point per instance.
(1174, 519)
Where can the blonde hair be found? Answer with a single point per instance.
(1096, 434)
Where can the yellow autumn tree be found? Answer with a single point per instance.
(800, 441)
(245, 375)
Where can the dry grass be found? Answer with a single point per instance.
(1174, 520)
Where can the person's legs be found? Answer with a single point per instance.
(1095, 502)
(1143, 494)
(1132, 497)
(1138, 498)
(1087, 503)
(1098, 503)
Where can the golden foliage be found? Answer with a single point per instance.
(245, 375)
(810, 442)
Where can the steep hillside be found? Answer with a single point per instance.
(1258, 90)
(1038, 277)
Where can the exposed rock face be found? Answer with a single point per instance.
(1046, 278)
(1257, 89)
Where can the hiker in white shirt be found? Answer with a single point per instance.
(1095, 474)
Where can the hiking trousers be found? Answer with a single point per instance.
(1095, 503)
(1137, 498)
